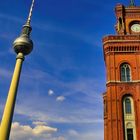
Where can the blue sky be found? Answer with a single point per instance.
(62, 80)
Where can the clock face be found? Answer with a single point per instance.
(135, 28)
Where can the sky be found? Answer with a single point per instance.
(63, 79)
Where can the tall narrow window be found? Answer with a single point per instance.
(105, 107)
(128, 109)
(130, 134)
(129, 118)
(125, 72)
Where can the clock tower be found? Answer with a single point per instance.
(122, 60)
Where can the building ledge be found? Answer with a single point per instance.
(122, 82)
(121, 38)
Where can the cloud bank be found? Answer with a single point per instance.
(40, 131)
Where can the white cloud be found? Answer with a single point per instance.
(43, 132)
(39, 123)
(39, 132)
(42, 129)
(60, 98)
(73, 132)
(61, 138)
(89, 135)
(57, 115)
(38, 129)
(50, 92)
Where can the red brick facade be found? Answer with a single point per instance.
(124, 47)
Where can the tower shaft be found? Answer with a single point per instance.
(10, 103)
(23, 45)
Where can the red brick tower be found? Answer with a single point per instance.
(122, 59)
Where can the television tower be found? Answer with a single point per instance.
(23, 45)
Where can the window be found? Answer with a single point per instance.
(129, 117)
(105, 107)
(125, 72)
(128, 106)
(130, 134)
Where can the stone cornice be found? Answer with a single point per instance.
(122, 83)
(121, 39)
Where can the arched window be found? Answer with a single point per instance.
(129, 118)
(128, 109)
(125, 72)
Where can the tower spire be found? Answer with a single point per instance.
(30, 13)
(132, 3)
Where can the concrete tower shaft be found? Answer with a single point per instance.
(23, 45)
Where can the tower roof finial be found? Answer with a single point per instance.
(30, 13)
(132, 3)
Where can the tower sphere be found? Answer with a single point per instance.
(23, 44)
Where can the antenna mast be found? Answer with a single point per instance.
(30, 13)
